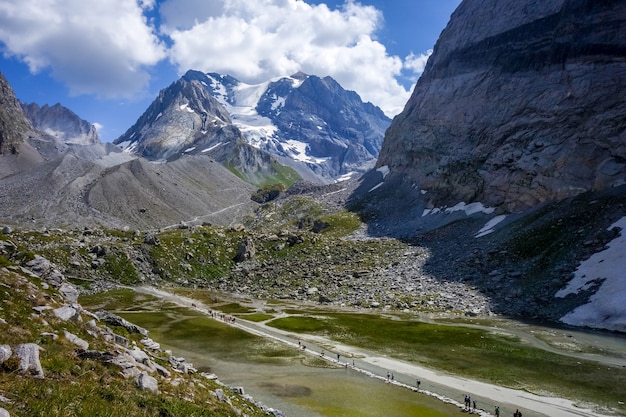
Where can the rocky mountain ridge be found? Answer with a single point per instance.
(61, 122)
(13, 123)
(308, 123)
(46, 181)
(521, 103)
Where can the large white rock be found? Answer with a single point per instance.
(147, 382)
(28, 354)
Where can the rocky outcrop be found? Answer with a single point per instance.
(62, 123)
(28, 356)
(520, 103)
(13, 122)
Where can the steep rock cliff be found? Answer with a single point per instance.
(61, 122)
(521, 102)
(13, 123)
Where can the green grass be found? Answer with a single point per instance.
(256, 317)
(75, 388)
(233, 308)
(114, 299)
(470, 352)
(190, 331)
(341, 224)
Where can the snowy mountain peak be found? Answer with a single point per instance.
(309, 123)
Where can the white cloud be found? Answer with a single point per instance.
(255, 41)
(94, 47)
(417, 63)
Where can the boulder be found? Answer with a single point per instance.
(139, 355)
(65, 313)
(147, 382)
(69, 292)
(28, 355)
(72, 338)
(5, 353)
(115, 320)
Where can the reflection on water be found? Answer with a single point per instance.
(285, 379)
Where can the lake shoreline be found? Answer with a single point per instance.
(379, 367)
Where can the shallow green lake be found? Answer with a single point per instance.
(280, 376)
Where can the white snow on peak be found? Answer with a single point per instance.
(489, 227)
(218, 88)
(259, 131)
(128, 146)
(185, 106)
(298, 150)
(279, 103)
(469, 209)
(606, 308)
(248, 95)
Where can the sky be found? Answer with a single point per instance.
(107, 60)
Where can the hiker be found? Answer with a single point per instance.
(392, 377)
(338, 356)
(497, 411)
(388, 376)
(517, 413)
(474, 405)
(418, 383)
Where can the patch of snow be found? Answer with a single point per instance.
(606, 309)
(298, 151)
(128, 146)
(489, 227)
(423, 192)
(319, 127)
(431, 211)
(345, 177)
(278, 103)
(157, 118)
(185, 106)
(219, 90)
(189, 149)
(471, 208)
(295, 83)
(375, 187)
(212, 147)
(384, 170)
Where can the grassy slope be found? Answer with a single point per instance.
(74, 387)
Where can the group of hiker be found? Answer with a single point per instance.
(517, 412)
(470, 406)
(469, 403)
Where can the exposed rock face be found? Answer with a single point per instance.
(13, 123)
(522, 102)
(308, 123)
(61, 122)
(186, 120)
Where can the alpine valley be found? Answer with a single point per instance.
(499, 191)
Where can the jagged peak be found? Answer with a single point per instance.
(300, 76)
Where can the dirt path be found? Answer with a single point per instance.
(446, 387)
